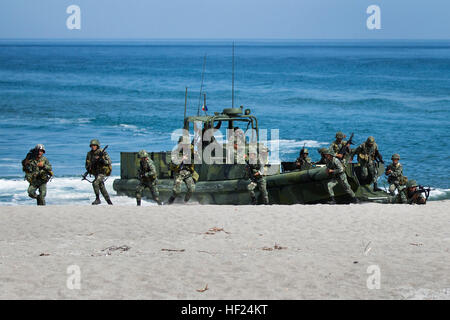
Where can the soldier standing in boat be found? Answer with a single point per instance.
(335, 169)
(338, 145)
(147, 178)
(38, 171)
(368, 153)
(322, 160)
(184, 171)
(98, 163)
(303, 162)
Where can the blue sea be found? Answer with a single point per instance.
(130, 95)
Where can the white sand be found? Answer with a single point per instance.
(326, 251)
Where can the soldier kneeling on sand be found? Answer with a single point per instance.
(38, 172)
(98, 164)
(147, 176)
(335, 169)
(412, 195)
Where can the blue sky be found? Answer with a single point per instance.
(225, 19)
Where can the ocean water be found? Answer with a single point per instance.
(130, 95)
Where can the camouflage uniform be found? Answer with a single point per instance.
(100, 169)
(338, 177)
(406, 195)
(367, 153)
(322, 160)
(336, 146)
(147, 178)
(395, 176)
(257, 181)
(37, 176)
(303, 162)
(183, 173)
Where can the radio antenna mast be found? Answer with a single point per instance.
(232, 81)
(201, 86)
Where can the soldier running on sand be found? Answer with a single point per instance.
(38, 171)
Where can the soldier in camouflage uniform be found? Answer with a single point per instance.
(38, 172)
(183, 172)
(409, 195)
(147, 178)
(98, 165)
(394, 171)
(338, 144)
(303, 162)
(322, 160)
(367, 155)
(336, 170)
(255, 169)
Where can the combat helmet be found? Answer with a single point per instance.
(142, 154)
(304, 151)
(39, 147)
(411, 184)
(395, 156)
(329, 151)
(339, 135)
(94, 142)
(370, 140)
(322, 150)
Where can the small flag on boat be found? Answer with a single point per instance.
(205, 108)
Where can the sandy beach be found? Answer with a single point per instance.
(245, 252)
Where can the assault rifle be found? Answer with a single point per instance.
(346, 148)
(93, 164)
(422, 189)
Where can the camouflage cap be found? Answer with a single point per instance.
(94, 142)
(142, 154)
(39, 147)
(411, 184)
(370, 140)
(395, 156)
(339, 135)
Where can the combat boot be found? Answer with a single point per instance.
(108, 200)
(354, 200)
(375, 187)
(96, 201)
(186, 198)
(138, 202)
(331, 201)
(171, 200)
(158, 201)
(254, 201)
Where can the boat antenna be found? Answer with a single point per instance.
(185, 102)
(232, 81)
(201, 86)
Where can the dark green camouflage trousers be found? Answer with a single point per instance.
(368, 168)
(340, 179)
(186, 177)
(151, 185)
(42, 187)
(99, 186)
(262, 186)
